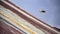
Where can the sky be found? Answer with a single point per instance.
(34, 7)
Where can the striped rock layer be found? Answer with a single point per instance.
(14, 20)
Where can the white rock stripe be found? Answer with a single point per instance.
(8, 12)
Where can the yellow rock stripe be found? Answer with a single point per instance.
(16, 22)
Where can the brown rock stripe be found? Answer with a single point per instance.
(6, 29)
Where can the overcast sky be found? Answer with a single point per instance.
(52, 8)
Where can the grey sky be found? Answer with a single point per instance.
(52, 8)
